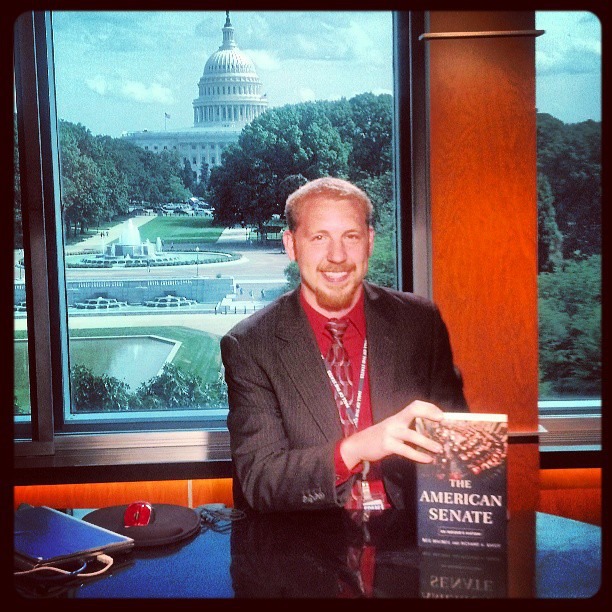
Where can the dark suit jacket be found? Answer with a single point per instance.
(283, 420)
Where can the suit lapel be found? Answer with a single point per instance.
(382, 346)
(299, 354)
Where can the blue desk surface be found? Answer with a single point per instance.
(305, 555)
(568, 557)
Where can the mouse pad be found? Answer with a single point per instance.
(170, 524)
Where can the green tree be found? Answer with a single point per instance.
(292, 274)
(92, 393)
(188, 175)
(162, 178)
(371, 152)
(569, 156)
(200, 188)
(550, 240)
(345, 138)
(570, 328)
(82, 182)
(102, 176)
(129, 161)
(172, 389)
(294, 140)
(382, 268)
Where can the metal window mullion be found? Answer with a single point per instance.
(32, 97)
(419, 154)
(402, 145)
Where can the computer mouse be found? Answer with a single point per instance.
(138, 514)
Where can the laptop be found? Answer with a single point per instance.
(45, 536)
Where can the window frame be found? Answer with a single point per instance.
(205, 450)
(39, 184)
(47, 432)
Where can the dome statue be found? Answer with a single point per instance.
(230, 91)
(228, 58)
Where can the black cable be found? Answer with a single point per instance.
(218, 518)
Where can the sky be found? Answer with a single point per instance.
(124, 71)
(568, 65)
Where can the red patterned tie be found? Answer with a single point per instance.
(337, 360)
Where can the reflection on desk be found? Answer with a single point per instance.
(329, 555)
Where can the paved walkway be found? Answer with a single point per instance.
(233, 234)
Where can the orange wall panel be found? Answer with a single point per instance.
(573, 493)
(484, 208)
(99, 495)
(218, 490)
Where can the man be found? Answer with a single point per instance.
(306, 431)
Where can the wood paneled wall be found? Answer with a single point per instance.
(190, 493)
(482, 177)
(573, 493)
(484, 208)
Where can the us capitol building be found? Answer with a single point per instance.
(229, 97)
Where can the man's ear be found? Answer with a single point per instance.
(288, 241)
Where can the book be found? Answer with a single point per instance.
(462, 495)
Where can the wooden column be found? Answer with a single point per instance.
(483, 217)
(483, 206)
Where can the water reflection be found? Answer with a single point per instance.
(132, 359)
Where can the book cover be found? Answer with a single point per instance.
(461, 494)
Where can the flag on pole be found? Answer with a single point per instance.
(166, 115)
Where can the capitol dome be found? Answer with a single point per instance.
(230, 91)
(229, 97)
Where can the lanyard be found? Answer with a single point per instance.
(353, 416)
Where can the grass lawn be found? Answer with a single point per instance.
(180, 229)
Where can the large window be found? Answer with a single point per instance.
(177, 143)
(568, 97)
(156, 177)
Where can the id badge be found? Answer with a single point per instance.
(368, 501)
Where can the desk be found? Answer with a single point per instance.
(305, 555)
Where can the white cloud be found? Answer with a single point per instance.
(306, 94)
(571, 43)
(147, 93)
(263, 60)
(98, 84)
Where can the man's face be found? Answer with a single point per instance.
(331, 245)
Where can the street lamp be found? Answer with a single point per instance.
(197, 261)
